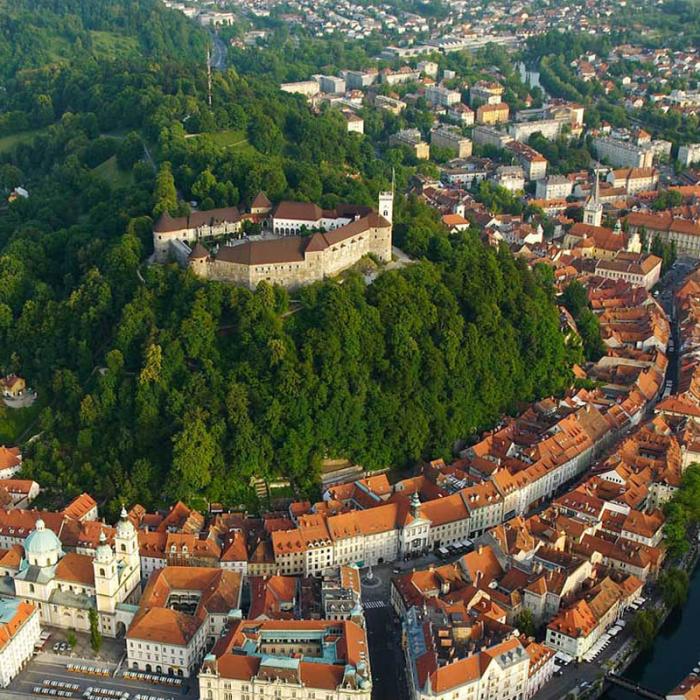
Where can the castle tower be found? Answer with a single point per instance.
(106, 577)
(198, 260)
(593, 209)
(386, 206)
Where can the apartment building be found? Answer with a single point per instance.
(451, 139)
(623, 154)
(19, 632)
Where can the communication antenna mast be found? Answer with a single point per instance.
(209, 76)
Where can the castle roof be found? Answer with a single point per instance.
(198, 252)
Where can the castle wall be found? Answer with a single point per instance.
(315, 266)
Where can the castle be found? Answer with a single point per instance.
(337, 239)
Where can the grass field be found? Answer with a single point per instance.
(8, 143)
(111, 45)
(229, 138)
(109, 171)
(15, 421)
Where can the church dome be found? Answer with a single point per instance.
(41, 541)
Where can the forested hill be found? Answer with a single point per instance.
(34, 33)
(154, 385)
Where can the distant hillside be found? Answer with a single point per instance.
(34, 33)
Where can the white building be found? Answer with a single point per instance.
(511, 177)
(331, 84)
(64, 587)
(554, 187)
(308, 88)
(549, 128)
(623, 154)
(19, 632)
(689, 153)
(440, 96)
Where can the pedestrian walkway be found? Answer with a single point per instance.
(372, 604)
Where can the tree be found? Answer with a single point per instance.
(129, 151)
(194, 450)
(204, 185)
(644, 625)
(71, 639)
(165, 194)
(674, 584)
(95, 634)
(525, 623)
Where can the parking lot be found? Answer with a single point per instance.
(81, 674)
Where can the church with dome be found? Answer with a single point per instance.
(64, 586)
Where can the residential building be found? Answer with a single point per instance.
(331, 84)
(492, 113)
(549, 128)
(623, 154)
(19, 632)
(634, 179)
(413, 140)
(554, 187)
(460, 114)
(684, 232)
(511, 177)
(440, 96)
(355, 123)
(485, 93)
(689, 153)
(487, 136)
(451, 139)
(10, 461)
(533, 163)
(308, 88)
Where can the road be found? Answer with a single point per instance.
(218, 52)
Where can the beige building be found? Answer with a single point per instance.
(412, 139)
(492, 113)
(640, 270)
(453, 140)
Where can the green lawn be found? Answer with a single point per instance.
(111, 45)
(109, 171)
(228, 138)
(15, 421)
(8, 143)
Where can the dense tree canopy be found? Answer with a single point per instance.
(156, 385)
